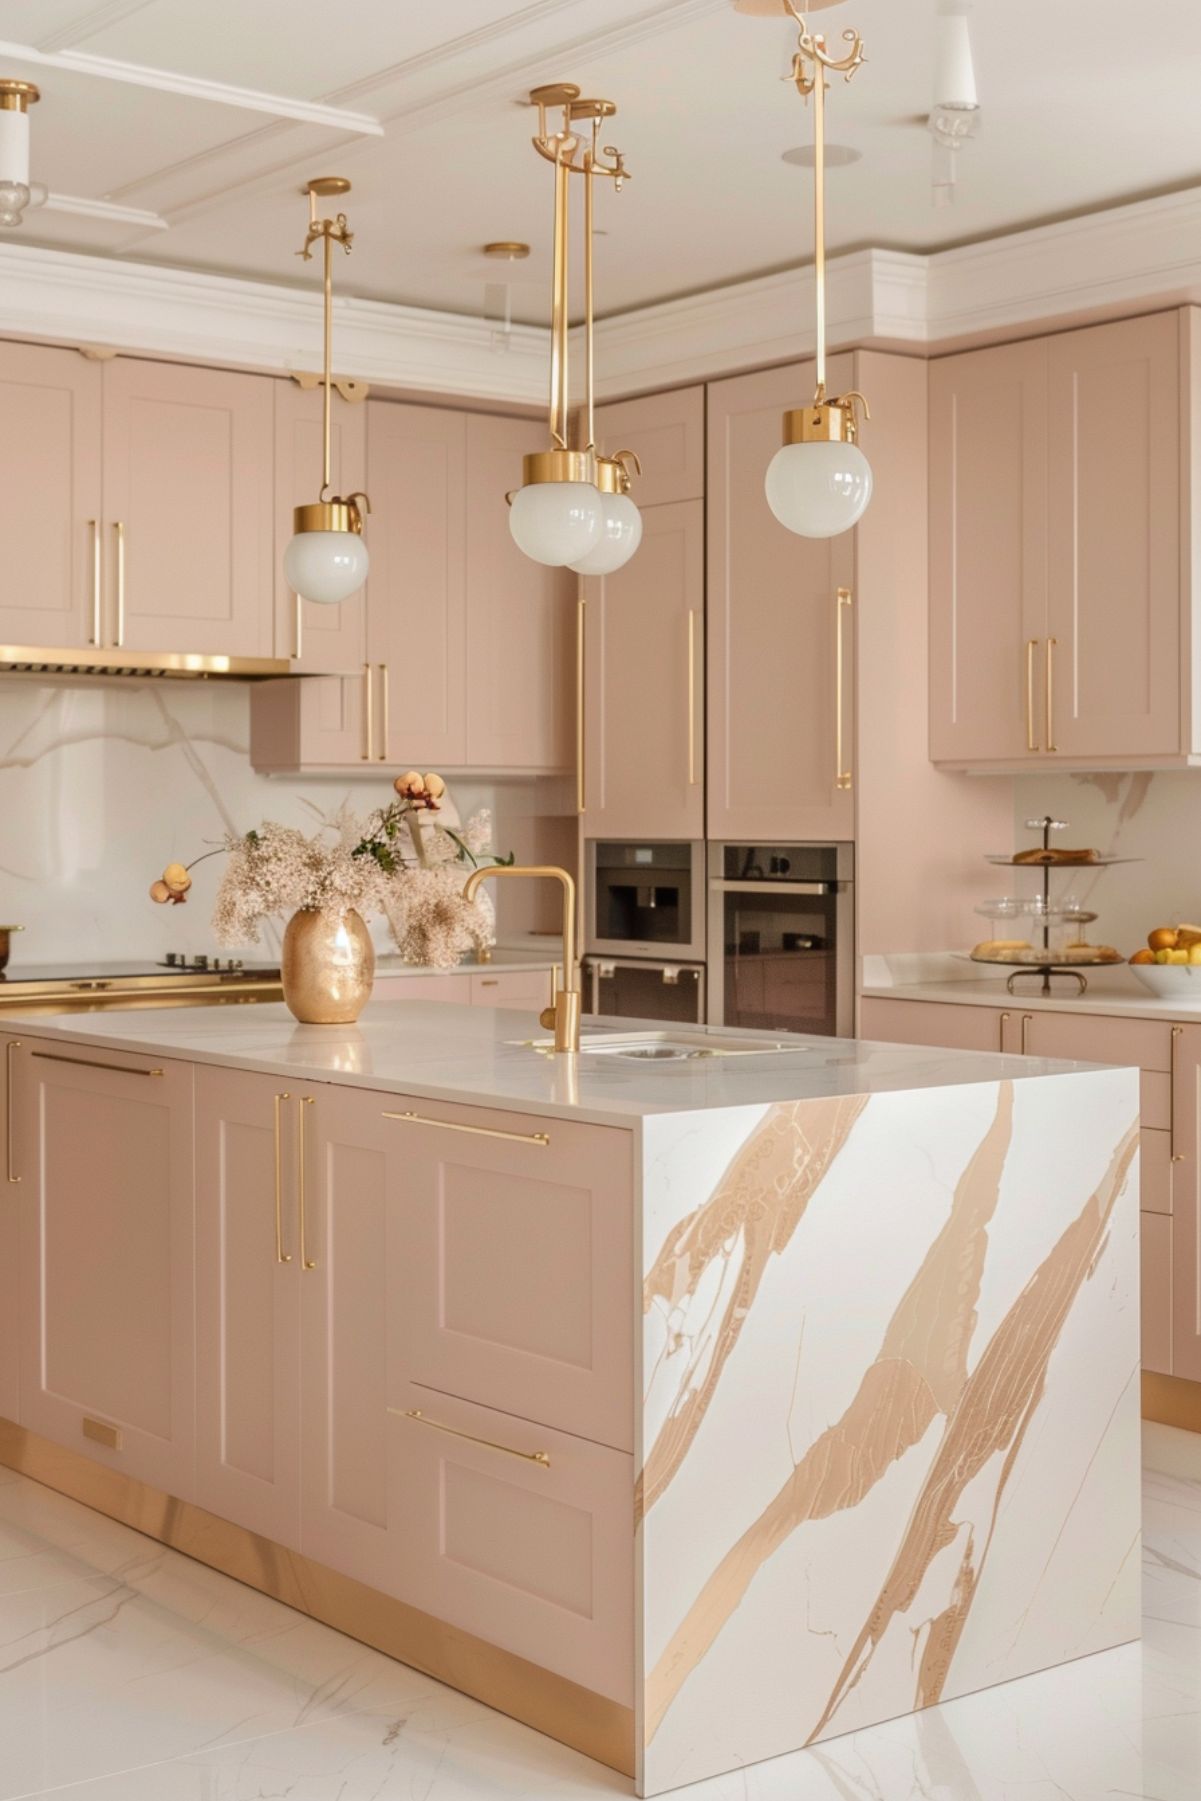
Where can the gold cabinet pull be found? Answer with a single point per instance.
(102, 1433)
(368, 715)
(1050, 696)
(691, 697)
(383, 713)
(306, 1262)
(541, 1458)
(843, 777)
(119, 530)
(281, 1256)
(1027, 1021)
(452, 1125)
(95, 525)
(10, 1052)
(1002, 1022)
(121, 1069)
(1031, 647)
(298, 628)
(581, 787)
(1174, 1155)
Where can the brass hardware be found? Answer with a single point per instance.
(95, 525)
(581, 780)
(508, 249)
(1050, 697)
(335, 515)
(1027, 1021)
(843, 777)
(383, 713)
(489, 981)
(18, 96)
(541, 1458)
(1031, 647)
(10, 1051)
(352, 388)
(1174, 1155)
(826, 421)
(306, 1262)
(564, 1015)
(298, 628)
(55, 997)
(453, 1125)
(368, 715)
(280, 1255)
(1002, 1022)
(121, 1069)
(101, 1433)
(36, 659)
(691, 697)
(558, 466)
(119, 529)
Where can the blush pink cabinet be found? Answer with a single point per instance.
(317, 638)
(950, 1025)
(50, 476)
(10, 1262)
(1059, 615)
(189, 506)
(1180, 1260)
(644, 684)
(104, 1148)
(666, 432)
(526, 989)
(781, 656)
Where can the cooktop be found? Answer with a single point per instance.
(173, 966)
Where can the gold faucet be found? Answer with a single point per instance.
(563, 1014)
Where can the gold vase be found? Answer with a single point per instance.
(328, 966)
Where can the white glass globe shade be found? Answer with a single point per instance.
(556, 522)
(326, 566)
(621, 534)
(818, 490)
(14, 198)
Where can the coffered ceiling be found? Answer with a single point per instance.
(1085, 103)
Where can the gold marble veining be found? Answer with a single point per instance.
(756, 1208)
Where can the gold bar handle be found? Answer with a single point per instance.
(541, 1458)
(280, 1255)
(298, 628)
(1027, 1021)
(306, 1262)
(95, 525)
(383, 713)
(368, 715)
(843, 777)
(691, 697)
(1031, 647)
(121, 1069)
(581, 786)
(119, 530)
(10, 1051)
(1002, 1022)
(1050, 697)
(1174, 1155)
(452, 1125)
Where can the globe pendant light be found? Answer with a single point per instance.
(326, 560)
(16, 193)
(558, 516)
(820, 482)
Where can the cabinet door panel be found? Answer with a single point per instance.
(50, 479)
(959, 1028)
(528, 989)
(455, 989)
(988, 549)
(516, 1275)
(10, 1262)
(520, 618)
(330, 638)
(107, 1305)
(1186, 1207)
(644, 662)
(1114, 591)
(774, 621)
(188, 473)
(666, 432)
(247, 1305)
(417, 588)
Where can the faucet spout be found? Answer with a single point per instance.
(563, 1015)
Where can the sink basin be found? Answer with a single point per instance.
(668, 1047)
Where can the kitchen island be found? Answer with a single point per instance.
(691, 1410)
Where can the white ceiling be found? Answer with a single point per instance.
(1085, 103)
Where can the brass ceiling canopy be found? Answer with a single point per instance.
(508, 250)
(17, 96)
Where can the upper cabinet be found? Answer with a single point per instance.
(666, 432)
(320, 639)
(1059, 619)
(781, 632)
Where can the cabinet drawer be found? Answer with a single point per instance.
(517, 1264)
(1092, 1038)
(456, 989)
(519, 1534)
(931, 1022)
(525, 988)
(1156, 1291)
(1155, 1172)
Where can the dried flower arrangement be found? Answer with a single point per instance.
(393, 863)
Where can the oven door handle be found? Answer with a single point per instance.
(770, 887)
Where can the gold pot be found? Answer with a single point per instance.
(328, 966)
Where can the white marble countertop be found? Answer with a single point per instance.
(957, 981)
(504, 959)
(481, 1056)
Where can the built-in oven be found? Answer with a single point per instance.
(645, 899)
(630, 988)
(782, 937)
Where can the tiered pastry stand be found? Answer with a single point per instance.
(1041, 963)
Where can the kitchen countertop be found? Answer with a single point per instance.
(1116, 990)
(479, 1056)
(504, 960)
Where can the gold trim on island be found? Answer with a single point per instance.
(594, 1724)
(27, 659)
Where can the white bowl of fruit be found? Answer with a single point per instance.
(1171, 963)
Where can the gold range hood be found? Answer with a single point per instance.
(22, 659)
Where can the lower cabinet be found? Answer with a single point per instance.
(10, 1262)
(527, 990)
(104, 1152)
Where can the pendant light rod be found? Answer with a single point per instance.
(331, 232)
(589, 323)
(559, 367)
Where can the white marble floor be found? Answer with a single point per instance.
(129, 1673)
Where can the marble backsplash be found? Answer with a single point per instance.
(102, 783)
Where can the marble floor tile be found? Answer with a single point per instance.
(128, 1673)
